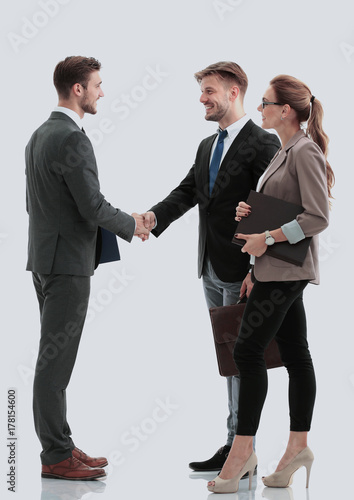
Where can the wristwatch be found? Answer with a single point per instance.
(269, 238)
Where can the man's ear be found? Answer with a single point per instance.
(234, 92)
(77, 89)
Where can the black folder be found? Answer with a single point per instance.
(271, 213)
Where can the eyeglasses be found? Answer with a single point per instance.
(266, 103)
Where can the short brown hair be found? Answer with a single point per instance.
(74, 69)
(226, 70)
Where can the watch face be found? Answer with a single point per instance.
(270, 240)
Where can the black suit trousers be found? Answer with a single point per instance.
(63, 302)
(274, 310)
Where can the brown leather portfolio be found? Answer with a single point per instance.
(271, 213)
(226, 321)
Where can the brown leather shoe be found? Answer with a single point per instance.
(71, 469)
(90, 461)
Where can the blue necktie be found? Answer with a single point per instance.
(215, 161)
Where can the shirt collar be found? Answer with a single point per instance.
(70, 113)
(234, 128)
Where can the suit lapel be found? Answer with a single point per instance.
(241, 136)
(276, 163)
(280, 158)
(205, 159)
(233, 149)
(231, 154)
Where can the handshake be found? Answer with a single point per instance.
(144, 224)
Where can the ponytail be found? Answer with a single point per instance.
(318, 135)
(290, 90)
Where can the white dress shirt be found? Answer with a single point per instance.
(292, 229)
(232, 132)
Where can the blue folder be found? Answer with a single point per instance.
(109, 247)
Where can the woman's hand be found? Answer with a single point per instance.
(242, 210)
(255, 243)
(246, 286)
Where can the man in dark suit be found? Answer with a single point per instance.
(227, 166)
(66, 210)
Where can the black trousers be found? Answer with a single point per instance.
(274, 309)
(63, 301)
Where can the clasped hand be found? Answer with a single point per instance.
(144, 224)
(255, 243)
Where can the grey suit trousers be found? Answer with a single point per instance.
(218, 293)
(63, 301)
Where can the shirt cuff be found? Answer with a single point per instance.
(155, 222)
(293, 232)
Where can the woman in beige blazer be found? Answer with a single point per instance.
(299, 173)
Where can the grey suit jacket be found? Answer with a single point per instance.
(297, 174)
(64, 201)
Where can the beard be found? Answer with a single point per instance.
(219, 113)
(87, 106)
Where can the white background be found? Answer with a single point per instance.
(148, 337)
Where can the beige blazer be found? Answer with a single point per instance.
(297, 174)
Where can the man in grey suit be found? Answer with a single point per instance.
(66, 210)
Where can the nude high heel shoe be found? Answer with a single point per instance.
(231, 485)
(284, 478)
